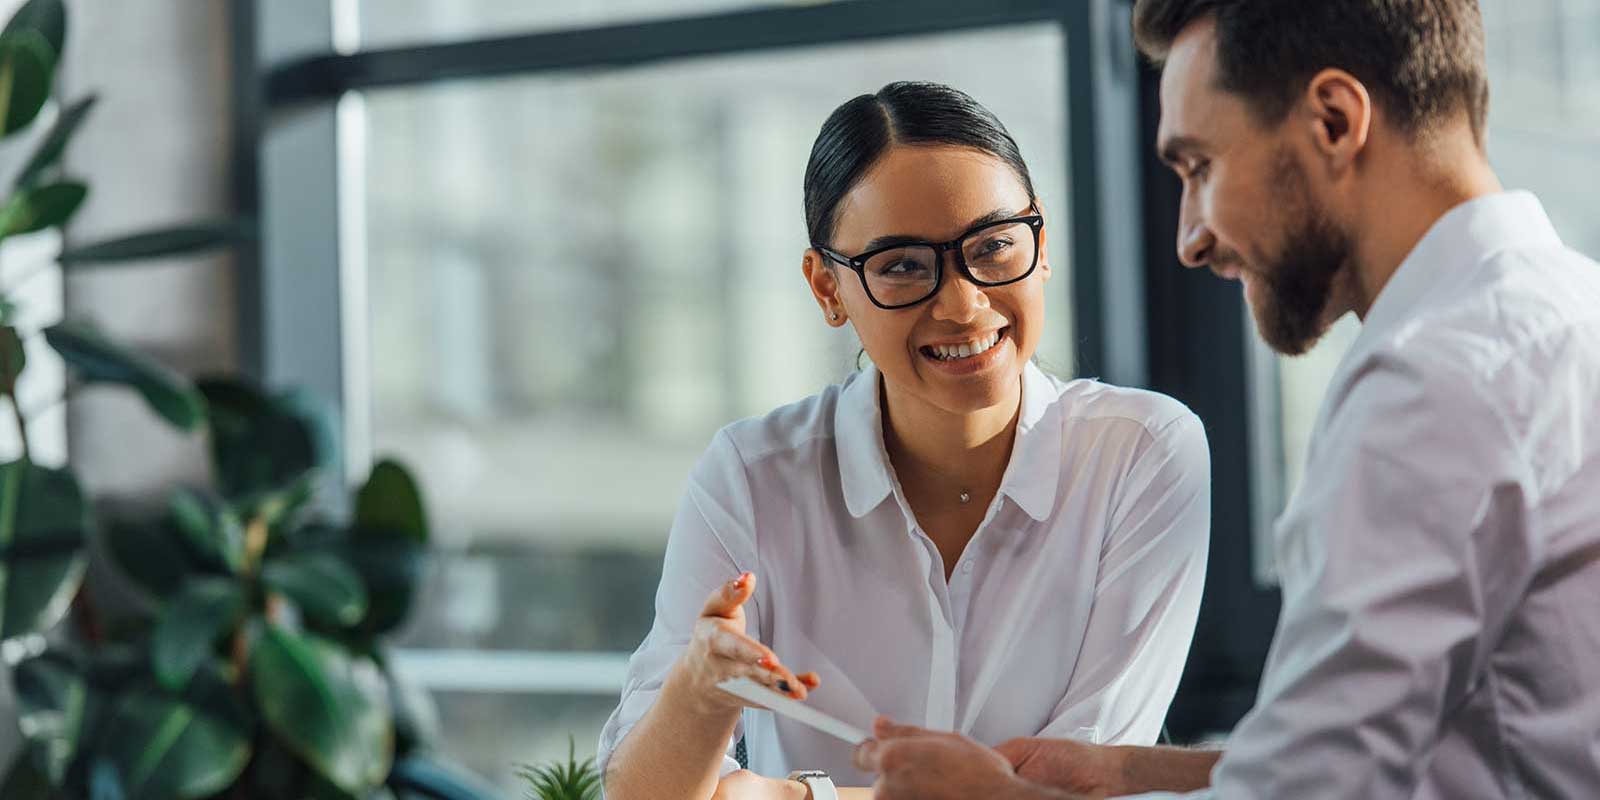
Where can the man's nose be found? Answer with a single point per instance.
(1195, 244)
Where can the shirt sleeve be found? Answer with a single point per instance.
(1403, 557)
(1147, 594)
(711, 542)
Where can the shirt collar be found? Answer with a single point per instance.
(1465, 235)
(1032, 476)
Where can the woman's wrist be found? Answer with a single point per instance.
(683, 697)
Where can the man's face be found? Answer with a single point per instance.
(1250, 209)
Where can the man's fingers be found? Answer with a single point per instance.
(866, 756)
(727, 598)
(1017, 750)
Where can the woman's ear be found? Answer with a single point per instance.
(1044, 228)
(824, 283)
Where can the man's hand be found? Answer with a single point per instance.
(917, 764)
(1088, 769)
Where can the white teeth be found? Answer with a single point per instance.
(966, 349)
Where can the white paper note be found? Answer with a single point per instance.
(793, 709)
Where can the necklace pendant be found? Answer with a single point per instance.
(965, 497)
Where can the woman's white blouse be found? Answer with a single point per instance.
(1068, 615)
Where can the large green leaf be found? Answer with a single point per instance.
(180, 240)
(178, 746)
(52, 696)
(323, 586)
(99, 360)
(12, 359)
(212, 529)
(329, 708)
(44, 523)
(40, 207)
(262, 443)
(392, 570)
(27, 71)
(151, 553)
(190, 625)
(55, 143)
(390, 501)
(48, 18)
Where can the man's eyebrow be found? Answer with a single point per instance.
(900, 239)
(1171, 150)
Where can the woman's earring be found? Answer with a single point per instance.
(835, 316)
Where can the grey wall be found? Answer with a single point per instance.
(155, 152)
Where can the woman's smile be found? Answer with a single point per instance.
(967, 355)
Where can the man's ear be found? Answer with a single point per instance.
(1339, 117)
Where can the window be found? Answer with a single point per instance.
(389, 23)
(544, 268)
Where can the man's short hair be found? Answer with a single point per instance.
(1421, 60)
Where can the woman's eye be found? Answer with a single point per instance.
(900, 268)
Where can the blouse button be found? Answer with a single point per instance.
(967, 567)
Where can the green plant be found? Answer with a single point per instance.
(249, 663)
(571, 780)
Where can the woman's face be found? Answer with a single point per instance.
(936, 193)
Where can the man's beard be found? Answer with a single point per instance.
(1298, 281)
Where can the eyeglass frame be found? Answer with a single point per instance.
(1034, 221)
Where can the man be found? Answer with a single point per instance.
(1440, 633)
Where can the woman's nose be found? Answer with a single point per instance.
(959, 300)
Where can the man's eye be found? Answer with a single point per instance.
(1200, 169)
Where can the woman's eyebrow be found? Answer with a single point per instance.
(900, 239)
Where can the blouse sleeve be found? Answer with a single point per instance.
(711, 542)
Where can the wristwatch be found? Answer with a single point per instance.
(817, 782)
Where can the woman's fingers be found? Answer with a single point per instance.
(725, 600)
(755, 660)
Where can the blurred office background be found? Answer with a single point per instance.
(541, 251)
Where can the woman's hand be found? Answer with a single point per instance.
(720, 650)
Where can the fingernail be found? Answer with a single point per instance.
(783, 685)
(738, 583)
(768, 663)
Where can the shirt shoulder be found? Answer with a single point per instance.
(786, 429)
(1520, 306)
(1088, 401)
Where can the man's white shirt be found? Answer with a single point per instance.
(1440, 633)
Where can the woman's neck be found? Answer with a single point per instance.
(944, 451)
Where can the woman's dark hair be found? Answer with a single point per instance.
(859, 132)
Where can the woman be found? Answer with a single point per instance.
(951, 537)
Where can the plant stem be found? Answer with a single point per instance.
(83, 614)
(22, 425)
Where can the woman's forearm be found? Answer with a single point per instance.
(675, 750)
